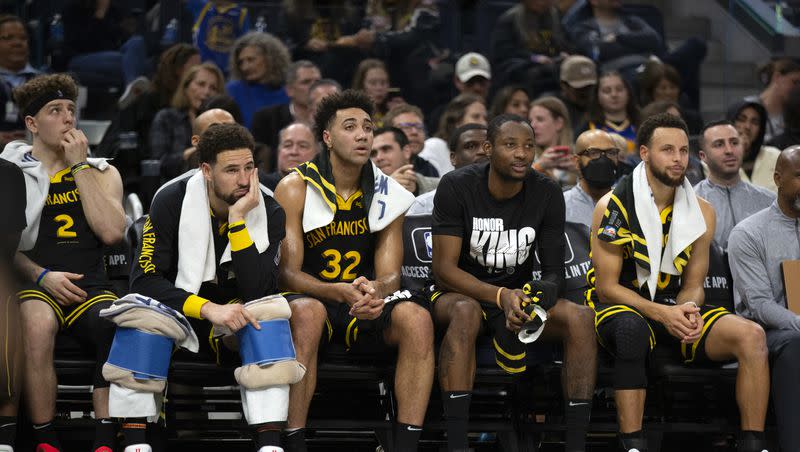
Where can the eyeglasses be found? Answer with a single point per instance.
(411, 125)
(594, 153)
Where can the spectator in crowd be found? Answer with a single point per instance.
(218, 24)
(60, 255)
(661, 82)
(258, 68)
(757, 249)
(578, 77)
(427, 154)
(733, 199)
(596, 153)
(614, 110)
(620, 41)
(311, 30)
(373, 78)
(791, 122)
(750, 119)
(642, 301)
(391, 153)
(171, 132)
(527, 45)
(513, 100)
(466, 108)
(473, 75)
(102, 48)
(268, 121)
(14, 71)
(553, 135)
(235, 215)
(404, 34)
(296, 145)
(475, 291)
(13, 199)
(360, 294)
(695, 171)
(780, 76)
(320, 90)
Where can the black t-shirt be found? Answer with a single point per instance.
(498, 235)
(576, 261)
(12, 198)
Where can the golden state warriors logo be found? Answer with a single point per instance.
(221, 34)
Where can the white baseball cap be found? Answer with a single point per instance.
(472, 65)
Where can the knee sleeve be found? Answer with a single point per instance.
(631, 345)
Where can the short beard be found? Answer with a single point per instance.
(664, 178)
(796, 204)
(229, 199)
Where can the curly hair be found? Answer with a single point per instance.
(454, 112)
(31, 90)
(276, 56)
(223, 137)
(331, 104)
(167, 76)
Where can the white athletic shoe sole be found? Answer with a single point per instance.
(139, 448)
(269, 449)
(6, 448)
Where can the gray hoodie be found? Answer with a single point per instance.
(733, 204)
(756, 248)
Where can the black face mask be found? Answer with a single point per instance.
(600, 172)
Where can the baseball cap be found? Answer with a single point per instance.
(472, 65)
(578, 71)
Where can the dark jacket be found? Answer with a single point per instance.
(639, 40)
(267, 122)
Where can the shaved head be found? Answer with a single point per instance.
(594, 139)
(787, 172)
(214, 116)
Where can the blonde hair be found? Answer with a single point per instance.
(180, 101)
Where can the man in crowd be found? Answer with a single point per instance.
(319, 90)
(200, 124)
(473, 74)
(597, 154)
(411, 120)
(391, 152)
(578, 76)
(300, 75)
(485, 219)
(74, 204)
(296, 145)
(240, 218)
(758, 247)
(341, 258)
(733, 199)
(641, 296)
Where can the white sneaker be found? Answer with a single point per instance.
(139, 448)
(132, 91)
(6, 448)
(267, 449)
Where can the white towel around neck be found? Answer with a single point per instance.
(389, 201)
(37, 186)
(197, 261)
(687, 225)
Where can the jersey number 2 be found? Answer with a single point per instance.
(334, 267)
(64, 232)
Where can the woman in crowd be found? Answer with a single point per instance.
(758, 166)
(662, 82)
(373, 78)
(171, 132)
(466, 108)
(258, 68)
(552, 132)
(614, 109)
(511, 99)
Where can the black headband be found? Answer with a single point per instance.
(43, 100)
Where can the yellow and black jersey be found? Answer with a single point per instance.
(65, 241)
(345, 248)
(668, 285)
